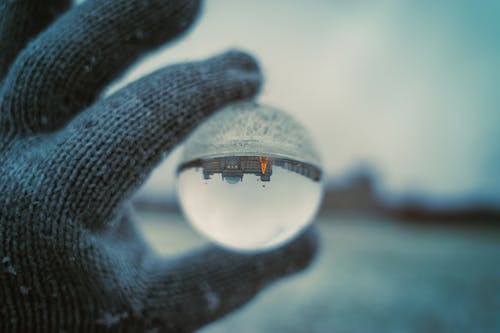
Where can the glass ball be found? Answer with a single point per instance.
(250, 178)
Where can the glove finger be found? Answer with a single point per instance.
(65, 69)
(206, 285)
(22, 20)
(107, 151)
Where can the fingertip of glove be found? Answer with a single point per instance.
(238, 59)
(236, 73)
(244, 60)
(301, 252)
(190, 10)
(291, 258)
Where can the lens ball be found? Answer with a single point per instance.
(250, 178)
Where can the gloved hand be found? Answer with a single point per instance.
(70, 257)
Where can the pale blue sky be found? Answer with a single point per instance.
(410, 87)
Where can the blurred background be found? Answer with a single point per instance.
(403, 100)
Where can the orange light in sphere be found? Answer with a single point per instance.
(263, 164)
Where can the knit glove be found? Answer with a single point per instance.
(70, 256)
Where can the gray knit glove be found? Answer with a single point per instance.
(70, 257)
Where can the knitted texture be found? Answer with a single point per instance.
(71, 258)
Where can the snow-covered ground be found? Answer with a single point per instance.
(372, 275)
